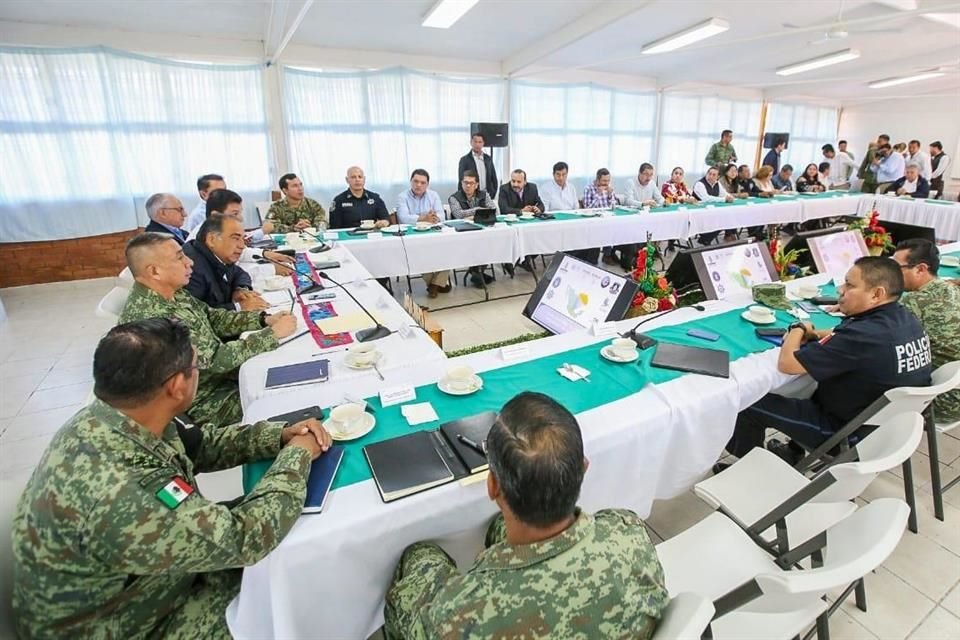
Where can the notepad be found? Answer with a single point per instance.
(322, 472)
(296, 374)
(347, 323)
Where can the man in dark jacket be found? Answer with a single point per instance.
(166, 215)
(216, 278)
(481, 163)
(911, 184)
(518, 195)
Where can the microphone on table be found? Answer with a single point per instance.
(644, 341)
(318, 249)
(364, 335)
(310, 288)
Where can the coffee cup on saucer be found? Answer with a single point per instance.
(368, 224)
(460, 378)
(950, 261)
(510, 217)
(526, 215)
(623, 347)
(423, 225)
(808, 291)
(758, 313)
(346, 416)
(363, 354)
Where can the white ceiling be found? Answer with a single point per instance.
(557, 35)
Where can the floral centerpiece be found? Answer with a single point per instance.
(876, 237)
(655, 293)
(784, 261)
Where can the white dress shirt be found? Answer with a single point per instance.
(481, 169)
(410, 207)
(841, 167)
(701, 192)
(909, 187)
(941, 170)
(638, 193)
(923, 160)
(559, 199)
(197, 216)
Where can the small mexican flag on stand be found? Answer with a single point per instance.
(175, 492)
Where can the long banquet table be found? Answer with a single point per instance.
(329, 576)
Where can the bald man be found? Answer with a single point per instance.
(357, 204)
(161, 271)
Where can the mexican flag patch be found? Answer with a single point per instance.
(175, 492)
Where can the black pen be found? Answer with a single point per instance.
(479, 448)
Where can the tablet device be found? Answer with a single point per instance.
(709, 362)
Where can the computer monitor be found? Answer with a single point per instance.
(900, 231)
(800, 242)
(723, 270)
(574, 294)
(835, 253)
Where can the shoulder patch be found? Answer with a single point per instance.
(174, 492)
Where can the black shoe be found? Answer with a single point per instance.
(476, 280)
(525, 265)
(720, 467)
(509, 269)
(786, 451)
(487, 278)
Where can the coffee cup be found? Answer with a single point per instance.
(346, 416)
(423, 226)
(364, 353)
(808, 291)
(761, 314)
(526, 215)
(950, 261)
(460, 378)
(623, 347)
(368, 224)
(510, 217)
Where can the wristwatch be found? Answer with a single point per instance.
(263, 318)
(797, 325)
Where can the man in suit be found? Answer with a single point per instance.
(166, 215)
(216, 278)
(519, 195)
(912, 183)
(480, 162)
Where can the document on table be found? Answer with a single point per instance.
(348, 322)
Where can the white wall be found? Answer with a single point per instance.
(903, 119)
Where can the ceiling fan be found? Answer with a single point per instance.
(837, 30)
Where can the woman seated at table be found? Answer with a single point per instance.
(729, 181)
(763, 178)
(675, 190)
(809, 182)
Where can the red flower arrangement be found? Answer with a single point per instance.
(876, 237)
(655, 293)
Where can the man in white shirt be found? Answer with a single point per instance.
(643, 191)
(841, 166)
(419, 203)
(480, 162)
(205, 185)
(708, 189)
(923, 160)
(559, 195)
(940, 164)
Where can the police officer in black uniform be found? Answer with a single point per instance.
(880, 345)
(356, 204)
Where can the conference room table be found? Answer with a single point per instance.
(943, 216)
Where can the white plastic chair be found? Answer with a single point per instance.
(685, 618)
(111, 305)
(945, 378)
(760, 482)
(125, 278)
(10, 490)
(753, 595)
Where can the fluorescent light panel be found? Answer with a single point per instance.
(952, 19)
(818, 63)
(892, 82)
(704, 30)
(446, 12)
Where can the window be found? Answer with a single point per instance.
(810, 127)
(692, 123)
(95, 131)
(387, 122)
(586, 126)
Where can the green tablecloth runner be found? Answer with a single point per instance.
(949, 272)
(608, 382)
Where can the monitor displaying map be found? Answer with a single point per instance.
(574, 295)
(835, 253)
(730, 270)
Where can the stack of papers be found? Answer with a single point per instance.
(419, 413)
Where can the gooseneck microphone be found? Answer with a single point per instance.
(310, 288)
(364, 335)
(644, 341)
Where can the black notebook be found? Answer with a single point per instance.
(709, 362)
(298, 416)
(419, 461)
(294, 374)
(322, 472)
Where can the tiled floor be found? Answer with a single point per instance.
(46, 349)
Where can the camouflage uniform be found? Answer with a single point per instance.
(97, 554)
(218, 396)
(284, 217)
(598, 579)
(937, 306)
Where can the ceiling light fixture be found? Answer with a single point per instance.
(892, 82)
(704, 30)
(446, 12)
(952, 19)
(817, 63)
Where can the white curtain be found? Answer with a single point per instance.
(810, 127)
(387, 122)
(585, 125)
(692, 123)
(87, 134)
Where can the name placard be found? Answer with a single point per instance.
(331, 235)
(514, 352)
(603, 329)
(390, 397)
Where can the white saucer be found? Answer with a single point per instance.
(362, 366)
(422, 230)
(530, 217)
(444, 385)
(746, 316)
(608, 353)
(276, 283)
(362, 427)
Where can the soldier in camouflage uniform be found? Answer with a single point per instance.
(112, 538)
(295, 211)
(936, 303)
(162, 270)
(549, 570)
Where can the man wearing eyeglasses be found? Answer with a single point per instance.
(167, 215)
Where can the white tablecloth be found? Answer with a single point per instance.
(943, 218)
(813, 208)
(713, 218)
(600, 231)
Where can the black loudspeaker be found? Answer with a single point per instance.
(770, 139)
(495, 134)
